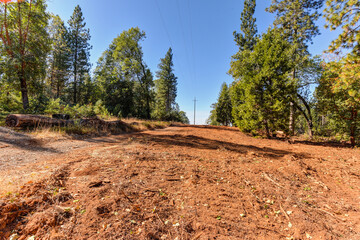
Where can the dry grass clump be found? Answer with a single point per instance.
(142, 125)
(79, 131)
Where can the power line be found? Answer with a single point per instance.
(192, 42)
(183, 35)
(163, 23)
(168, 34)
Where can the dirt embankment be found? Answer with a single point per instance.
(185, 183)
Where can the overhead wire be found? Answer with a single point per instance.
(163, 23)
(192, 42)
(176, 59)
(184, 38)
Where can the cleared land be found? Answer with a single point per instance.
(181, 182)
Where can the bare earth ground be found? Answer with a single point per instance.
(178, 183)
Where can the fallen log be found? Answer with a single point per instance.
(25, 120)
(61, 116)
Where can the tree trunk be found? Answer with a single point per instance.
(148, 107)
(24, 120)
(75, 70)
(308, 116)
(292, 112)
(24, 91)
(310, 126)
(354, 114)
(268, 135)
(291, 119)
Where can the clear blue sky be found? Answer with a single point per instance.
(200, 33)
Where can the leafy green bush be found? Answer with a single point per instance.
(10, 102)
(77, 111)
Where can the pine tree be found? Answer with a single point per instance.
(212, 118)
(59, 58)
(261, 94)
(25, 41)
(223, 106)
(247, 39)
(246, 42)
(165, 87)
(296, 19)
(78, 39)
(344, 14)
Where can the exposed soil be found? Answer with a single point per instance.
(181, 183)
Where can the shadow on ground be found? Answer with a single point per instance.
(23, 141)
(205, 143)
(325, 144)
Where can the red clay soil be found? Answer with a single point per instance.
(191, 183)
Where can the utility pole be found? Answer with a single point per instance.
(194, 108)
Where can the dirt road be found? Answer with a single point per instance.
(179, 183)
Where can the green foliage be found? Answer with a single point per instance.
(223, 109)
(125, 80)
(165, 88)
(78, 42)
(38, 103)
(59, 58)
(296, 19)
(182, 117)
(10, 101)
(128, 52)
(55, 106)
(212, 118)
(45, 69)
(247, 39)
(116, 91)
(24, 46)
(263, 88)
(339, 92)
(344, 14)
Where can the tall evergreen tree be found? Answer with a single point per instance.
(260, 94)
(212, 118)
(59, 58)
(246, 42)
(78, 39)
(223, 106)
(165, 87)
(297, 21)
(25, 41)
(247, 39)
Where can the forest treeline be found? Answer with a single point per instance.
(45, 68)
(279, 86)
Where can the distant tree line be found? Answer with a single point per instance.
(278, 85)
(45, 67)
